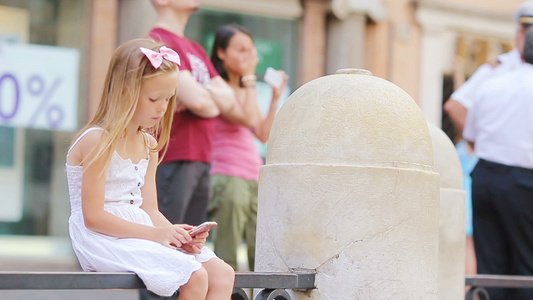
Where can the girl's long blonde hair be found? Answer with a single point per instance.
(127, 70)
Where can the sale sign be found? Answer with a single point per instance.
(39, 86)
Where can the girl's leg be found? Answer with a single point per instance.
(221, 278)
(196, 287)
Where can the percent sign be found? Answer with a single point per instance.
(36, 88)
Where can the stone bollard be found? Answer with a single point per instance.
(349, 190)
(452, 235)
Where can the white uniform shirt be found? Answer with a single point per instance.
(500, 122)
(466, 94)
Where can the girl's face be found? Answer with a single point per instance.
(240, 51)
(154, 97)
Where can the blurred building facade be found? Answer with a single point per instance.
(411, 43)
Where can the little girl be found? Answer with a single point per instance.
(115, 224)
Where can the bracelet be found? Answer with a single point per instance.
(248, 78)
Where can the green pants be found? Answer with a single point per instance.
(234, 207)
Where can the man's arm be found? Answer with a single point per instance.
(466, 91)
(223, 94)
(457, 113)
(471, 144)
(203, 102)
(469, 132)
(455, 110)
(195, 97)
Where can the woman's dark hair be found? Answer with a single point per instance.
(222, 38)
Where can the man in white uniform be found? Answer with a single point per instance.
(462, 99)
(500, 126)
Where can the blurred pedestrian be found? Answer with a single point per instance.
(500, 127)
(463, 98)
(183, 180)
(236, 160)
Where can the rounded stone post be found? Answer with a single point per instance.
(349, 190)
(452, 235)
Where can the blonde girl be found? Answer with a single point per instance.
(115, 224)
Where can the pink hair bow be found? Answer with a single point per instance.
(156, 58)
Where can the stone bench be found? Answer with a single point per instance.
(273, 285)
(479, 282)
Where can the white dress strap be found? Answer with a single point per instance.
(81, 136)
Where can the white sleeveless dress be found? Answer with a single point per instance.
(162, 269)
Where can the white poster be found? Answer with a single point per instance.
(39, 86)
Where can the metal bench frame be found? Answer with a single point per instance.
(273, 285)
(480, 282)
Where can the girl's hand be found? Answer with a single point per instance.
(173, 236)
(197, 243)
(277, 91)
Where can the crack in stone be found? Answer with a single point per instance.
(335, 256)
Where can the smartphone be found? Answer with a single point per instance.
(205, 226)
(273, 77)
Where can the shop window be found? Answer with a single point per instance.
(7, 146)
(28, 148)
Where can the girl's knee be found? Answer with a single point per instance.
(196, 287)
(200, 274)
(227, 271)
(199, 279)
(220, 272)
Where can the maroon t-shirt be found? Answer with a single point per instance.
(191, 137)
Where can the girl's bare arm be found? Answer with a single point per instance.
(99, 220)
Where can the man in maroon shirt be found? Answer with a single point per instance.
(183, 177)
